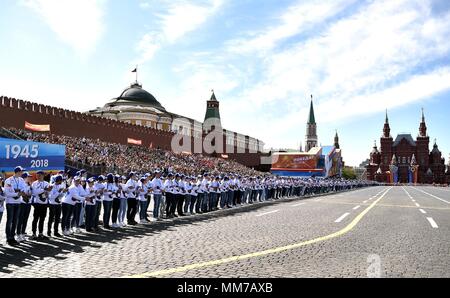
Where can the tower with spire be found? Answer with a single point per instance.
(311, 129)
(423, 150)
(336, 141)
(386, 145)
(212, 115)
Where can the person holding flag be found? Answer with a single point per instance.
(54, 204)
(25, 208)
(40, 190)
(70, 199)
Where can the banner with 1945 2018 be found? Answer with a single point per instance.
(32, 156)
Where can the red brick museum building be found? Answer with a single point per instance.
(405, 160)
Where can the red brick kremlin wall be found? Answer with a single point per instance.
(14, 113)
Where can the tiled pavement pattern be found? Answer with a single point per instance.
(394, 231)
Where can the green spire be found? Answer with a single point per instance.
(212, 108)
(312, 119)
(213, 96)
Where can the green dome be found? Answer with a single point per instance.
(135, 95)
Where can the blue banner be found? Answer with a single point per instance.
(33, 156)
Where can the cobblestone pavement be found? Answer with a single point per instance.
(388, 235)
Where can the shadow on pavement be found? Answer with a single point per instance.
(29, 251)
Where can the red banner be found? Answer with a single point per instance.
(134, 142)
(37, 127)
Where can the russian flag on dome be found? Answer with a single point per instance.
(134, 142)
(37, 127)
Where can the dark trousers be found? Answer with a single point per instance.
(174, 204)
(24, 214)
(192, 205)
(131, 210)
(12, 217)
(142, 210)
(205, 202)
(67, 211)
(254, 195)
(107, 205)
(180, 201)
(115, 209)
(149, 199)
(213, 199)
(238, 195)
(98, 210)
(90, 212)
(39, 214)
(76, 215)
(54, 218)
(169, 202)
(198, 204)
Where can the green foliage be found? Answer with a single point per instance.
(348, 173)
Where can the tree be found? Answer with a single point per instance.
(348, 173)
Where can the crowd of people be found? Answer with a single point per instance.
(125, 158)
(173, 185)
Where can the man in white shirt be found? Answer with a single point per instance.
(24, 209)
(90, 204)
(130, 191)
(54, 203)
(142, 191)
(68, 202)
(187, 195)
(200, 195)
(39, 190)
(180, 194)
(194, 194)
(205, 188)
(168, 189)
(215, 193)
(13, 190)
(100, 188)
(157, 188)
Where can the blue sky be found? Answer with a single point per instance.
(262, 57)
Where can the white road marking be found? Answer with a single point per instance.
(432, 222)
(342, 217)
(417, 205)
(404, 189)
(438, 198)
(270, 212)
(365, 202)
(318, 200)
(413, 200)
(423, 211)
(357, 207)
(296, 205)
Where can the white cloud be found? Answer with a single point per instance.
(415, 88)
(297, 19)
(185, 17)
(181, 17)
(144, 5)
(78, 23)
(380, 56)
(149, 45)
(189, 98)
(370, 51)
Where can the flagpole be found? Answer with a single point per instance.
(136, 74)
